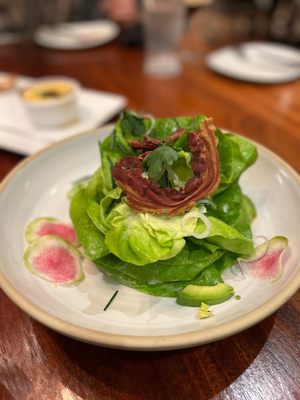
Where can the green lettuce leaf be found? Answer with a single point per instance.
(233, 208)
(143, 238)
(93, 195)
(106, 205)
(183, 267)
(194, 266)
(210, 276)
(109, 265)
(165, 127)
(225, 236)
(227, 260)
(181, 170)
(236, 155)
(91, 239)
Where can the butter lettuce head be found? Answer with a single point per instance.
(143, 238)
(158, 254)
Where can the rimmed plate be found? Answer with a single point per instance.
(257, 62)
(39, 186)
(76, 35)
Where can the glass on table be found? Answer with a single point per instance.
(164, 23)
(15, 20)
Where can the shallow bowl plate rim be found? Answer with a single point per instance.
(146, 343)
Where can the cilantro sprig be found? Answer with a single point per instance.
(133, 124)
(159, 160)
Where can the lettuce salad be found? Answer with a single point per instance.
(163, 254)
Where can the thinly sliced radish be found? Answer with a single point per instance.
(54, 259)
(50, 226)
(260, 251)
(267, 264)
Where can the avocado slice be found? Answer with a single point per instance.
(193, 295)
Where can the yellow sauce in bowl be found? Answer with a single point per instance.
(45, 91)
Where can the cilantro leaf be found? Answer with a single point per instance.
(132, 124)
(159, 160)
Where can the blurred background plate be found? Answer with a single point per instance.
(76, 35)
(257, 62)
(268, 53)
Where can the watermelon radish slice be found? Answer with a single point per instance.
(50, 226)
(267, 262)
(55, 260)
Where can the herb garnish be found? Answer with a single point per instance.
(159, 160)
(133, 124)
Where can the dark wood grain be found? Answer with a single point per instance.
(261, 363)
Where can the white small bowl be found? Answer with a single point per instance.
(52, 111)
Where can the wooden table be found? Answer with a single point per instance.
(261, 363)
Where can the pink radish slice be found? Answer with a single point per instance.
(55, 260)
(260, 251)
(50, 226)
(268, 266)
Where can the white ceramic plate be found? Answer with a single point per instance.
(257, 62)
(39, 186)
(76, 35)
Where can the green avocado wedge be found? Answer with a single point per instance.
(193, 295)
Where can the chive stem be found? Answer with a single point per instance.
(110, 300)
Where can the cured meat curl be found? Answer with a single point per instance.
(147, 196)
(147, 143)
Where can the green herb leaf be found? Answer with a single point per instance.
(132, 124)
(159, 160)
(164, 181)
